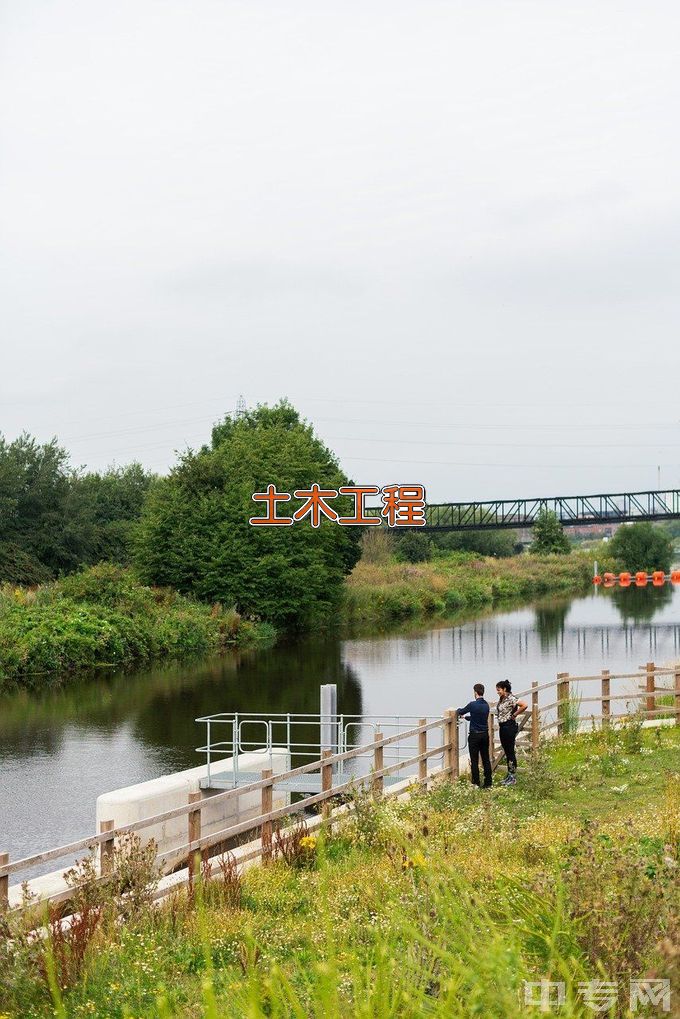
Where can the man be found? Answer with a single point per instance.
(477, 713)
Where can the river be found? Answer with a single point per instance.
(60, 749)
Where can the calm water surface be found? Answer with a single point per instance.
(59, 750)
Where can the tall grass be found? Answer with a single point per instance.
(440, 906)
(380, 590)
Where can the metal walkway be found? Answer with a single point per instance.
(302, 738)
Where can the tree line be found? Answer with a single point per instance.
(189, 530)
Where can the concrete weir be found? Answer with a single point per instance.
(145, 799)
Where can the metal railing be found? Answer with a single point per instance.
(300, 735)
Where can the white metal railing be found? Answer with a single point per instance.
(301, 735)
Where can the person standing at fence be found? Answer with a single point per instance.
(507, 710)
(477, 713)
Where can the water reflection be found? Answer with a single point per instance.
(550, 620)
(640, 604)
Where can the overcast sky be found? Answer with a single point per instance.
(449, 232)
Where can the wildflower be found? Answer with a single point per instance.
(308, 842)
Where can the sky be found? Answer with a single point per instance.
(448, 232)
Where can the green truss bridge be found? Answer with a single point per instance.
(571, 510)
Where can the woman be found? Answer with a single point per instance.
(507, 709)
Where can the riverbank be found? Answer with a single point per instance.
(442, 905)
(105, 617)
(382, 593)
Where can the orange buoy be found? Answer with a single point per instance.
(597, 579)
(658, 578)
(640, 579)
(624, 579)
(675, 577)
(609, 578)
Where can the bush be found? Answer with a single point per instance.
(641, 546)
(414, 547)
(104, 616)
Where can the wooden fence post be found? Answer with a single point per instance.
(266, 807)
(106, 849)
(378, 758)
(492, 738)
(194, 834)
(422, 749)
(449, 735)
(534, 717)
(677, 696)
(326, 782)
(606, 703)
(455, 750)
(562, 701)
(650, 702)
(4, 883)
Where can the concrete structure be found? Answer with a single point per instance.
(135, 802)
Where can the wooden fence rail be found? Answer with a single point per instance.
(568, 702)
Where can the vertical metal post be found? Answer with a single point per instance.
(422, 749)
(606, 703)
(208, 745)
(378, 759)
(329, 714)
(236, 749)
(342, 743)
(650, 701)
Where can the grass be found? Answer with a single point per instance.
(384, 592)
(104, 616)
(442, 905)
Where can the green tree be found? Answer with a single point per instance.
(414, 547)
(34, 486)
(501, 543)
(194, 533)
(54, 519)
(549, 536)
(102, 511)
(641, 546)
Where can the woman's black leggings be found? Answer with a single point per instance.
(508, 734)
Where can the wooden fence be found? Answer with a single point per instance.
(567, 709)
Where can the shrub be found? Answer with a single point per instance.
(641, 546)
(414, 547)
(620, 902)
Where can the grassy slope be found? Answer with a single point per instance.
(103, 616)
(440, 906)
(385, 592)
